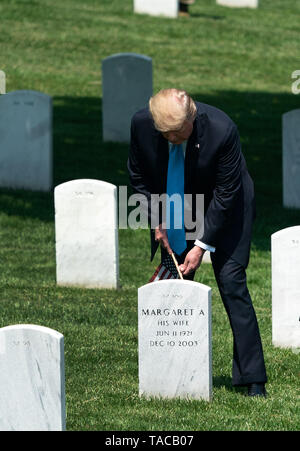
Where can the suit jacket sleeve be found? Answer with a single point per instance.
(227, 187)
(135, 169)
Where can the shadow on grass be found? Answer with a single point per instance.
(225, 381)
(79, 152)
(27, 204)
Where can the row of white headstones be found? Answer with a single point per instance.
(174, 316)
(26, 127)
(170, 8)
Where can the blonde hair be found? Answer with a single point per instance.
(170, 108)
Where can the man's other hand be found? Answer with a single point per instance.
(162, 237)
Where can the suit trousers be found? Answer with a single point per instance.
(248, 360)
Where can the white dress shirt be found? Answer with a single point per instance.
(199, 243)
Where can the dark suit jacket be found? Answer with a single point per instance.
(214, 166)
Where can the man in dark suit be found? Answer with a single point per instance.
(213, 165)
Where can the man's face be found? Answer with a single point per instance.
(178, 136)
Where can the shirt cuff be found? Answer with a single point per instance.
(204, 246)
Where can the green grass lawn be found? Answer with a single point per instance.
(238, 60)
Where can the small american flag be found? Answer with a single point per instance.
(166, 270)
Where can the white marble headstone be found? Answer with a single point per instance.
(2, 82)
(32, 379)
(174, 327)
(167, 8)
(286, 287)
(127, 88)
(26, 141)
(86, 232)
(291, 158)
(239, 3)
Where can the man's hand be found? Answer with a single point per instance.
(162, 237)
(192, 260)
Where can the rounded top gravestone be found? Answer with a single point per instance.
(174, 323)
(239, 3)
(86, 233)
(126, 88)
(285, 246)
(32, 380)
(167, 8)
(291, 158)
(26, 140)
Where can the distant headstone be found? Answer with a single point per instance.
(32, 379)
(239, 3)
(127, 88)
(286, 287)
(291, 158)
(167, 8)
(174, 328)
(26, 141)
(2, 82)
(86, 234)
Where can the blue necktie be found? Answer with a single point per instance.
(175, 212)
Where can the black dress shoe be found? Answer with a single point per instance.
(257, 389)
